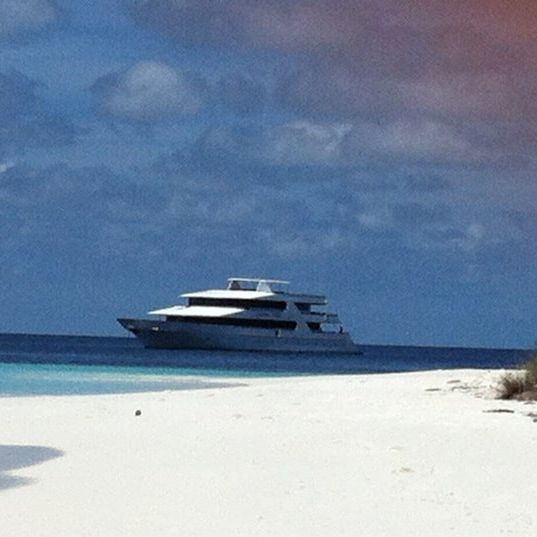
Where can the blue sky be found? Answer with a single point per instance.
(378, 151)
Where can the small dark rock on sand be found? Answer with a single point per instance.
(138, 413)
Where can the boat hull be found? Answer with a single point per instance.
(182, 335)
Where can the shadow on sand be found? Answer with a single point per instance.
(16, 457)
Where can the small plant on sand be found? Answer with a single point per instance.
(521, 384)
(531, 372)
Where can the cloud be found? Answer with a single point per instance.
(459, 31)
(466, 67)
(189, 21)
(180, 210)
(465, 86)
(60, 212)
(210, 204)
(19, 17)
(149, 91)
(452, 221)
(329, 89)
(304, 142)
(304, 243)
(288, 144)
(309, 143)
(301, 213)
(5, 166)
(413, 140)
(276, 24)
(477, 96)
(24, 120)
(468, 239)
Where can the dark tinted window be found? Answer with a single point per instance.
(237, 303)
(234, 321)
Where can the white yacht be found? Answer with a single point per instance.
(251, 314)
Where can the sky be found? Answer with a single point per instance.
(381, 152)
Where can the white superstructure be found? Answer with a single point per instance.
(250, 314)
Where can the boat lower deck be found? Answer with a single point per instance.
(181, 335)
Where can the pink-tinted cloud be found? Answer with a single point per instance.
(471, 57)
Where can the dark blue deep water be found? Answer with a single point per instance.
(42, 364)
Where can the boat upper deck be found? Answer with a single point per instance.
(257, 289)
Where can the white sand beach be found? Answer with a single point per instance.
(412, 454)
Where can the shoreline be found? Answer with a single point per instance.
(391, 454)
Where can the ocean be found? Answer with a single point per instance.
(66, 365)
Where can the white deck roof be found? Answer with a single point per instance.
(228, 293)
(196, 311)
(257, 280)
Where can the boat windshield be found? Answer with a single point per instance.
(255, 284)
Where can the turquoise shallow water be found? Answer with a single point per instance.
(58, 379)
(65, 365)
